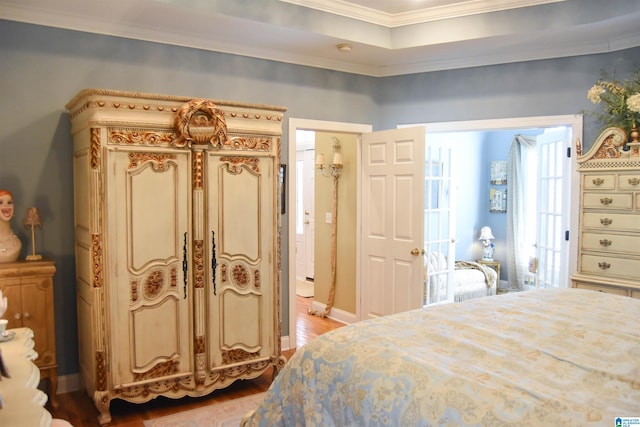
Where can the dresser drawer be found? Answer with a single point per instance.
(605, 289)
(611, 243)
(607, 221)
(610, 266)
(608, 200)
(599, 182)
(629, 181)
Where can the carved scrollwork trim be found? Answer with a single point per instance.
(96, 251)
(235, 164)
(162, 369)
(95, 148)
(159, 161)
(140, 137)
(238, 355)
(199, 121)
(249, 143)
(198, 264)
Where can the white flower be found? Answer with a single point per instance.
(633, 102)
(594, 94)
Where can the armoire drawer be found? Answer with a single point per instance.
(611, 243)
(610, 266)
(611, 221)
(608, 200)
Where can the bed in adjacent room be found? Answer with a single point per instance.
(471, 279)
(539, 357)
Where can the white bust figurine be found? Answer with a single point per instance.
(10, 244)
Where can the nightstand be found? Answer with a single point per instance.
(28, 286)
(493, 264)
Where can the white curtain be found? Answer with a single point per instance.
(520, 211)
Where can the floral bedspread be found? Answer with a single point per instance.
(551, 357)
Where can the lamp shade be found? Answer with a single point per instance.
(33, 218)
(485, 234)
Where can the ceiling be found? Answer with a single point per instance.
(382, 37)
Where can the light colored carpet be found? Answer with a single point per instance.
(223, 414)
(304, 288)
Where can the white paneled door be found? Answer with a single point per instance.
(392, 221)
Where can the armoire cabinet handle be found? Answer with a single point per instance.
(214, 262)
(598, 181)
(604, 265)
(606, 221)
(17, 316)
(185, 265)
(634, 181)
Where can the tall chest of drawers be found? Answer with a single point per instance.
(609, 239)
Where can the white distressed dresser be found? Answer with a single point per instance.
(609, 239)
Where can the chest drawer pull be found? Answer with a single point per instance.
(598, 181)
(606, 201)
(606, 221)
(605, 242)
(604, 265)
(634, 181)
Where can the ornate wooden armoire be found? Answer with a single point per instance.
(177, 243)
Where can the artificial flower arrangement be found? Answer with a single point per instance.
(620, 99)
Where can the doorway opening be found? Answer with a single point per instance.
(574, 122)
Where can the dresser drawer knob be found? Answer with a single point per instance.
(598, 181)
(604, 265)
(605, 242)
(606, 201)
(606, 221)
(634, 181)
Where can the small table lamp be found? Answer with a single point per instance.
(488, 248)
(33, 220)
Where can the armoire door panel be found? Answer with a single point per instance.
(153, 192)
(241, 321)
(150, 322)
(241, 189)
(148, 215)
(239, 219)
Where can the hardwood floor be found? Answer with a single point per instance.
(78, 408)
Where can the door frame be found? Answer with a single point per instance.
(320, 126)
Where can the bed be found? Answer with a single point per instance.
(471, 279)
(535, 358)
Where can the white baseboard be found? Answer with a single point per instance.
(335, 313)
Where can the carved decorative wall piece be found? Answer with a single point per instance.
(249, 143)
(223, 273)
(197, 170)
(101, 372)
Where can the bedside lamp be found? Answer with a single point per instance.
(487, 247)
(33, 220)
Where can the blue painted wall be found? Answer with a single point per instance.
(42, 68)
